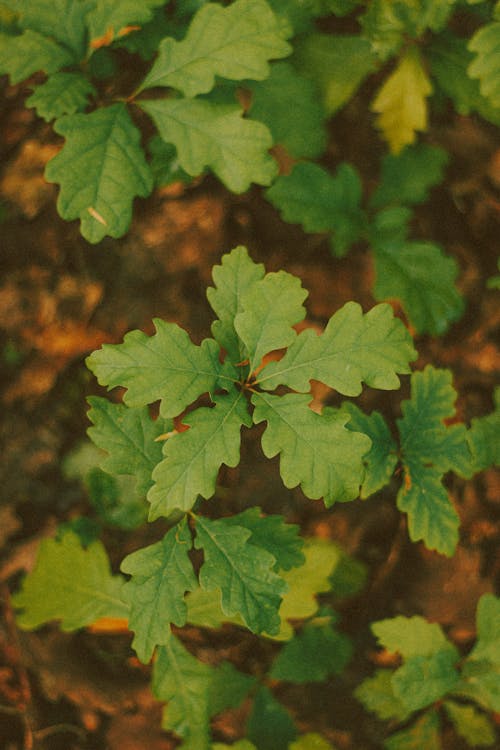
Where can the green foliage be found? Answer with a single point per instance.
(100, 169)
(74, 600)
(322, 202)
(427, 450)
(486, 64)
(161, 574)
(433, 670)
(258, 314)
(304, 134)
(64, 93)
(270, 726)
(216, 136)
(235, 43)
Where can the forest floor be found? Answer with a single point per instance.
(61, 298)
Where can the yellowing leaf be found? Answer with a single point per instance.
(401, 102)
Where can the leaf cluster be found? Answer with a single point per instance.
(434, 682)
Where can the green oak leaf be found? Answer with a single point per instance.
(431, 515)
(407, 177)
(228, 688)
(311, 741)
(30, 52)
(377, 695)
(233, 278)
(303, 135)
(100, 169)
(424, 436)
(108, 18)
(184, 682)
(62, 94)
(129, 437)
(474, 726)
(166, 366)
(424, 733)
(354, 347)
(488, 630)
(235, 42)
(269, 309)
(382, 458)
(161, 574)
(62, 20)
(386, 23)
(481, 683)
(336, 63)
(274, 535)
(316, 451)
(240, 745)
(483, 438)
(449, 59)
(486, 64)
(243, 572)
(313, 655)
(193, 458)
(423, 680)
(322, 202)
(165, 164)
(212, 135)
(270, 726)
(402, 271)
(429, 449)
(410, 636)
(71, 584)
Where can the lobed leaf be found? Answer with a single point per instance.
(215, 136)
(193, 458)
(423, 680)
(270, 726)
(483, 438)
(243, 572)
(311, 741)
(269, 309)
(449, 58)
(161, 574)
(62, 94)
(425, 439)
(303, 135)
(486, 65)
(228, 688)
(476, 728)
(316, 451)
(320, 202)
(432, 301)
(129, 437)
(423, 733)
(100, 169)
(336, 63)
(382, 458)
(313, 655)
(234, 42)
(166, 366)
(184, 682)
(488, 630)
(52, 591)
(355, 347)
(233, 278)
(271, 533)
(431, 515)
(377, 695)
(30, 52)
(410, 636)
(108, 20)
(407, 177)
(401, 102)
(62, 20)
